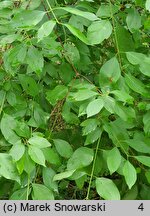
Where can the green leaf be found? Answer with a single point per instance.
(27, 18)
(87, 15)
(146, 121)
(41, 192)
(39, 142)
(8, 124)
(110, 72)
(135, 84)
(144, 160)
(82, 157)
(63, 175)
(129, 173)
(48, 174)
(29, 164)
(124, 39)
(6, 4)
(133, 20)
(135, 58)
(20, 194)
(36, 155)
(140, 143)
(29, 85)
(89, 126)
(113, 160)
(51, 156)
(94, 107)
(99, 31)
(84, 94)
(58, 93)
(17, 151)
(35, 59)
(46, 29)
(123, 96)
(106, 10)
(93, 136)
(8, 168)
(76, 32)
(147, 5)
(107, 189)
(63, 148)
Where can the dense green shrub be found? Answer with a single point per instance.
(74, 99)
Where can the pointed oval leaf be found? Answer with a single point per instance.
(63, 148)
(113, 160)
(144, 160)
(87, 15)
(94, 107)
(46, 29)
(82, 157)
(99, 31)
(133, 20)
(63, 175)
(36, 155)
(17, 151)
(41, 192)
(76, 32)
(27, 18)
(39, 142)
(107, 189)
(129, 173)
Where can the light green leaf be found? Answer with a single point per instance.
(129, 173)
(58, 93)
(27, 18)
(28, 164)
(41, 192)
(135, 84)
(94, 107)
(84, 94)
(8, 124)
(86, 15)
(123, 96)
(110, 72)
(133, 20)
(107, 11)
(20, 194)
(89, 125)
(76, 32)
(35, 59)
(48, 174)
(6, 4)
(82, 157)
(29, 85)
(113, 160)
(63, 148)
(63, 175)
(144, 160)
(46, 29)
(139, 142)
(17, 151)
(52, 156)
(135, 58)
(36, 155)
(39, 142)
(146, 121)
(8, 168)
(147, 5)
(107, 189)
(99, 31)
(93, 136)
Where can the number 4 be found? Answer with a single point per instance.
(141, 207)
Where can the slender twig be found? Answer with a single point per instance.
(115, 35)
(93, 168)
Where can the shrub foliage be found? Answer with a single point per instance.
(74, 99)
